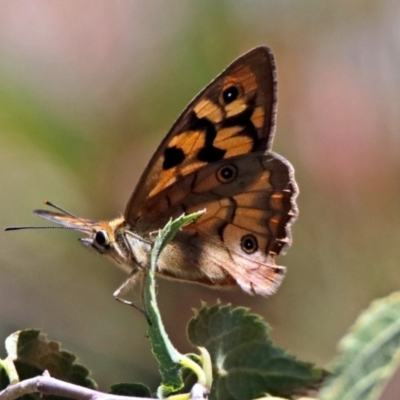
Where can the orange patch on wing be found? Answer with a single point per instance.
(167, 178)
(226, 134)
(187, 141)
(192, 167)
(273, 225)
(208, 109)
(258, 117)
(236, 107)
(234, 145)
(238, 145)
(276, 201)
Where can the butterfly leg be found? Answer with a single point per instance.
(123, 289)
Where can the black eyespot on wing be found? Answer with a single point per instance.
(173, 156)
(227, 173)
(101, 238)
(230, 94)
(249, 244)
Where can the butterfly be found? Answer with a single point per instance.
(217, 156)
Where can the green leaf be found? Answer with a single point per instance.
(246, 363)
(169, 359)
(369, 353)
(32, 353)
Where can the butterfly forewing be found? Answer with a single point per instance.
(235, 114)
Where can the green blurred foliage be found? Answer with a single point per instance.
(88, 90)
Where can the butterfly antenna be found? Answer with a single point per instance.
(50, 204)
(17, 228)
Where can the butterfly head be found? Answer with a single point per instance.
(102, 236)
(109, 238)
(112, 239)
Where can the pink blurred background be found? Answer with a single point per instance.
(88, 90)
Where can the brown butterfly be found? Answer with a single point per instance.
(217, 156)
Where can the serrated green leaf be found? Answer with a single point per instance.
(33, 353)
(369, 353)
(247, 364)
(169, 358)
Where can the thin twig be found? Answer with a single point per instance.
(46, 385)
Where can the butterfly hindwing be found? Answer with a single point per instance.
(250, 206)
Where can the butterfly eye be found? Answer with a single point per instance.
(249, 244)
(230, 94)
(227, 173)
(101, 238)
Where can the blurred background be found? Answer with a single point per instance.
(89, 89)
